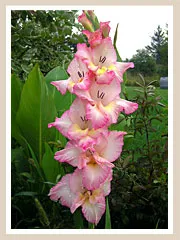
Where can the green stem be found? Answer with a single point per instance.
(91, 225)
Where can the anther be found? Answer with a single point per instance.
(102, 59)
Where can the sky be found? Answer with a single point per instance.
(136, 25)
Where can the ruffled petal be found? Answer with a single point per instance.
(87, 142)
(75, 181)
(62, 124)
(114, 146)
(105, 78)
(126, 106)
(94, 175)
(98, 118)
(112, 110)
(62, 192)
(70, 154)
(93, 212)
(106, 186)
(83, 53)
(123, 66)
(61, 85)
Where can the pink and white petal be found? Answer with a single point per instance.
(115, 142)
(99, 119)
(112, 110)
(61, 85)
(93, 212)
(70, 154)
(123, 66)
(78, 201)
(75, 182)
(83, 53)
(62, 192)
(82, 94)
(76, 69)
(105, 49)
(87, 142)
(77, 113)
(76, 133)
(106, 186)
(126, 106)
(84, 84)
(94, 175)
(62, 124)
(103, 163)
(105, 78)
(105, 93)
(101, 142)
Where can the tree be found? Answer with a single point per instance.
(45, 37)
(157, 41)
(144, 63)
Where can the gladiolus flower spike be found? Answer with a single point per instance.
(95, 78)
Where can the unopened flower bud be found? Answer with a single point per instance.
(86, 22)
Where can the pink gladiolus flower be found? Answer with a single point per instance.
(74, 125)
(102, 61)
(80, 77)
(96, 162)
(70, 192)
(104, 103)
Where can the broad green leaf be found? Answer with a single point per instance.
(50, 166)
(108, 217)
(36, 110)
(62, 102)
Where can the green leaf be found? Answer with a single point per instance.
(62, 102)
(29, 194)
(36, 110)
(36, 163)
(108, 217)
(114, 43)
(42, 214)
(78, 219)
(17, 156)
(50, 166)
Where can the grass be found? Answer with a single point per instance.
(132, 93)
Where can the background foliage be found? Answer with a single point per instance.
(48, 38)
(152, 61)
(139, 188)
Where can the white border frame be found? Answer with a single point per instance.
(8, 128)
